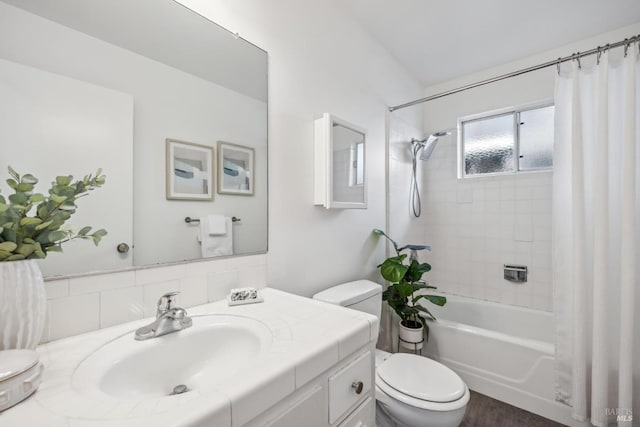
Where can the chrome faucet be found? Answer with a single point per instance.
(168, 319)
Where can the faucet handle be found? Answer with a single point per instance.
(165, 303)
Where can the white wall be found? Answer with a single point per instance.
(319, 61)
(477, 225)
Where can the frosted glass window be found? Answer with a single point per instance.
(536, 138)
(489, 145)
(518, 140)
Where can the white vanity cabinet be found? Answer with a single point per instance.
(343, 396)
(312, 366)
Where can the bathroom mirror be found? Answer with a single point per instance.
(340, 178)
(104, 84)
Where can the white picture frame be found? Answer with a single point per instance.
(189, 174)
(236, 169)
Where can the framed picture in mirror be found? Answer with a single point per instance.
(189, 171)
(235, 169)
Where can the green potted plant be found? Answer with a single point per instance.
(25, 236)
(404, 273)
(32, 225)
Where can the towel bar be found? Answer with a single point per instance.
(190, 220)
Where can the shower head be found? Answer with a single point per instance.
(426, 146)
(429, 144)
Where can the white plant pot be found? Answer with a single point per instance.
(411, 338)
(22, 304)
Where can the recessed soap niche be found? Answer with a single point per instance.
(515, 273)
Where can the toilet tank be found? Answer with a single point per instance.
(361, 295)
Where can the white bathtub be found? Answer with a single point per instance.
(502, 351)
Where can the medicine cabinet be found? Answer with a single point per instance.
(340, 159)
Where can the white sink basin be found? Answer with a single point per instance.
(215, 348)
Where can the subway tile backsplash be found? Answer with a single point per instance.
(82, 304)
(73, 315)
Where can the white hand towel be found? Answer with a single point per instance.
(219, 245)
(216, 224)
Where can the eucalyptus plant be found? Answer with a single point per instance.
(31, 224)
(405, 278)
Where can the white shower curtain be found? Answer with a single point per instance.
(596, 216)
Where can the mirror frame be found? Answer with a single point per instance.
(323, 163)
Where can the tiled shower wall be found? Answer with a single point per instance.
(403, 227)
(87, 303)
(476, 225)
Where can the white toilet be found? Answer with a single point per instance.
(411, 390)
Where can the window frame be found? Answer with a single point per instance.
(515, 111)
(353, 170)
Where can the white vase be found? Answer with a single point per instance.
(22, 304)
(411, 338)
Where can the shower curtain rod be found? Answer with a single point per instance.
(557, 62)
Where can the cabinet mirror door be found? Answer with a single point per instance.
(340, 170)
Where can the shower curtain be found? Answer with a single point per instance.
(596, 216)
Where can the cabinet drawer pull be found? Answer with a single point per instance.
(358, 386)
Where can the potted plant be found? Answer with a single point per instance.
(31, 226)
(404, 273)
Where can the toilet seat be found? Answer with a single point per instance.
(421, 382)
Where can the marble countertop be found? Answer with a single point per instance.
(308, 338)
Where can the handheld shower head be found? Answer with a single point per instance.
(430, 144)
(426, 146)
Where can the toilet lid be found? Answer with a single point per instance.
(421, 377)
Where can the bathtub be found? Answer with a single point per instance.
(501, 351)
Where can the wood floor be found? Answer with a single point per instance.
(483, 411)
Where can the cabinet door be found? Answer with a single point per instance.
(348, 386)
(308, 411)
(361, 417)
